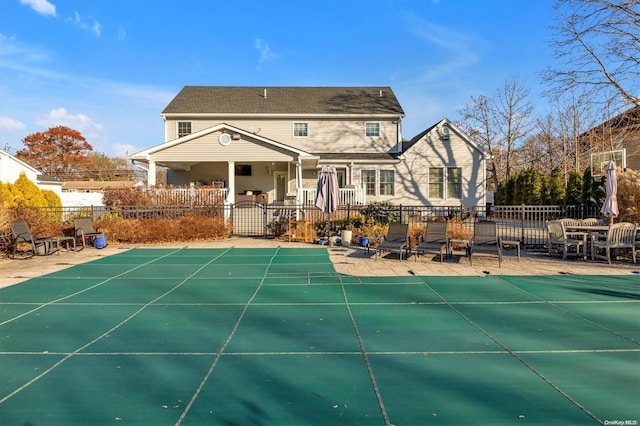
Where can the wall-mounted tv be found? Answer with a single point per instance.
(243, 170)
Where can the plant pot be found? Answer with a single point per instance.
(346, 237)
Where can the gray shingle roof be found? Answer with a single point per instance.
(284, 100)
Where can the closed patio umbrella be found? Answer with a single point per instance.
(327, 193)
(610, 206)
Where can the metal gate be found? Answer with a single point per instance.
(249, 219)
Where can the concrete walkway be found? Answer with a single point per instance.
(346, 260)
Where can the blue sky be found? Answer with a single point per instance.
(108, 68)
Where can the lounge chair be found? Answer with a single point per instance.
(560, 241)
(435, 240)
(397, 239)
(84, 230)
(621, 236)
(485, 240)
(39, 245)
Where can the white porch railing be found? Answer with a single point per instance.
(307, 196)
(209, 196)
(188, 196)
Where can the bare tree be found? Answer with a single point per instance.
(501, 125)
(597, 43)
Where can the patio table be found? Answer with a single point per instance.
(593, 232)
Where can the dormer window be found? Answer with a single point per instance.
(372, 129)
(184, 128)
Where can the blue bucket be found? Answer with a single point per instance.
(101, 242)
(363, 242)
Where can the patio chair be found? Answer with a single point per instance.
(435, 240)
(39, 245)
(485, 240)
(569, 224)
(560, 241)
(620, 237)
(591, 221)
(397, 239)
(84, 230)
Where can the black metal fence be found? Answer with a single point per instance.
(248, 218)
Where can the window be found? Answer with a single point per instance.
(243, 170)
(454, 182)
(386, 182)
(300, 130)
(369, 181)
(436, 182)
(372, 129)
(383, 181)
(184, 128)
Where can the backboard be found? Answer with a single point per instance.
(600, 161)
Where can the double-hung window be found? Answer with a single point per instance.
(386, 182)
(369, 181)
(436, 183)
(454, 182)
(372, 129)
(379, 182)
(184, 128)
(300, 129)
(447, 186)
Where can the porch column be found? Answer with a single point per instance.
(231, 173)
(151, 174)
(350, 178)
(298, 182)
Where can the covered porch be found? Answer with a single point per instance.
(235, 165)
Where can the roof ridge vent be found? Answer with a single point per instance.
(380, 95)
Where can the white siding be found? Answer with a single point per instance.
(325, 135)
(10, 169)
(207, 148)
(411, 173)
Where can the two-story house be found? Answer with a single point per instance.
(270, 143)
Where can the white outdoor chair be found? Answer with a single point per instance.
(621, 237)
(559, 241)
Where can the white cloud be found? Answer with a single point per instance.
(122, 34)
(123, 149)
(10, 125)
(81, 23)
(93, 132)
(97, 28)
(265, 51)
(43, 7)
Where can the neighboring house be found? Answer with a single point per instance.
(11, 167)
(89, 192)
(268, 144)
(620, 132)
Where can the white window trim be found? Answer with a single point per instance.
(178, 128)
(377, 182)
(365, 129)
(293, 129)
(445, 183)
(446, 180)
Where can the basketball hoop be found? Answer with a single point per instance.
(600, 161)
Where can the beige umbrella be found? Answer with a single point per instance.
(610, 206)
(327, 192)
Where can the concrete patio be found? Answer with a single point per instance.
(346, 260)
